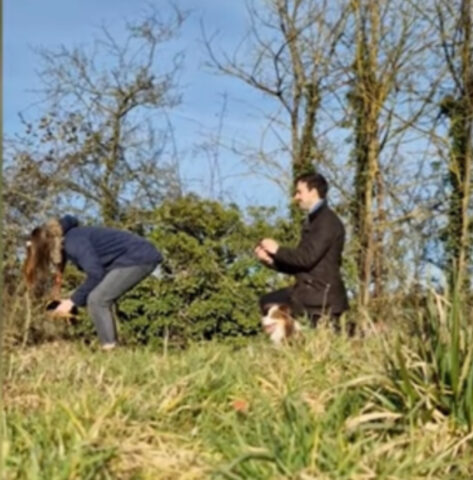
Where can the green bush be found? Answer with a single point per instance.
(209, 282)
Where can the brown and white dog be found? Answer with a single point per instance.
(279, 324)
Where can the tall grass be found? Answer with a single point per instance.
(215, 411)
(426, 387)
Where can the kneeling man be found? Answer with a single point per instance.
(315, 262)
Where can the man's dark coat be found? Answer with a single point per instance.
(315, 263)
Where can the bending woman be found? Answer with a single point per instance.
(113, 260)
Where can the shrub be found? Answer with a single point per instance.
(209, 282)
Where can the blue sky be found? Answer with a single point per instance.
(51, 23)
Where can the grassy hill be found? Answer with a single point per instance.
(313, 410)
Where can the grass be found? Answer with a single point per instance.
(219, 412)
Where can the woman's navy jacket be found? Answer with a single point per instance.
(97, 250)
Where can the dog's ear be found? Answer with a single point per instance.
(285, 308)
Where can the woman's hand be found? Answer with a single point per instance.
(64, 308)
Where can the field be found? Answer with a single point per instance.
(318, 409)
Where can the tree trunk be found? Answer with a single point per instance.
(367, 98)
(459, 110)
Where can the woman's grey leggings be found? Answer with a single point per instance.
(101, 298)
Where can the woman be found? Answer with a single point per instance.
(113, 260)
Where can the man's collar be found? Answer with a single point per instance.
(314, 211)
(316, 206)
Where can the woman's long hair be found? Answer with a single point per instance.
(43, 250)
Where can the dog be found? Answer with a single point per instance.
(280, 325)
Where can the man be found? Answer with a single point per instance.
(315, 262)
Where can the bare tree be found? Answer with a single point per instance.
(291, 44)
(102, 138)
(390, 45)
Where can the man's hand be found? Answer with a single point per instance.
(63, 309)
(270, 245)
(263, 255)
